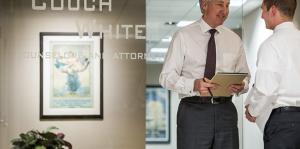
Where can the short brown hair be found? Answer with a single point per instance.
(286, 7)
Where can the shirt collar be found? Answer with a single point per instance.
(284, 25)
(205, 27)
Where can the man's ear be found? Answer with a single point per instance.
(274, 11)
(203, 5)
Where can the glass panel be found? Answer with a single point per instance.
(77, 70)
(4, 66)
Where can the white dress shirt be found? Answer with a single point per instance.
(186, 58)
(277, 81)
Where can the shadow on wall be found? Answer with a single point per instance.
(297, 15)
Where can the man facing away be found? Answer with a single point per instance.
(274, 101)
(196, 52)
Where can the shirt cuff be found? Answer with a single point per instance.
(246, 88)
(252, 111)
(189, 86)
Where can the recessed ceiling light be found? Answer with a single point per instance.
(159, 50)
(170, 23)
(167, 39)
(184, 23)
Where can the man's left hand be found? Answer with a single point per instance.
(236, 88)
(249, 117)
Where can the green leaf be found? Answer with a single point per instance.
(40, 147)
(40, 140)
(33, 141)
(49, 135)
(18, 143)
(16, 140)
(23, 136)
(51, 128)
(68, 144)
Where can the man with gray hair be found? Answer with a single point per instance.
(195, 54)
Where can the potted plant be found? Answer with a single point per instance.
(35, 139)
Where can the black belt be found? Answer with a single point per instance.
(287, 109)
(207, 100)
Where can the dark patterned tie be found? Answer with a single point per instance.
(210, 65)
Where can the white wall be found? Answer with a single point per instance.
(297, 15)
(123, 125)
(3, 81)
(254, 34)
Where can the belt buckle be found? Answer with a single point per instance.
(212, 100)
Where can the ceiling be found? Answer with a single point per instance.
(159, 12)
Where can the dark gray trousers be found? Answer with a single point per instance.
(282, 131)
(207, 126)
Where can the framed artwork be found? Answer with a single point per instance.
(157, 114)
(71, 76)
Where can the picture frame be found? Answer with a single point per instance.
(157, 115)
(71, 75)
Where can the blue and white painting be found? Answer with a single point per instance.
(157, 115)
(71, 75)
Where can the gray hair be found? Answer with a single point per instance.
(201, 5)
